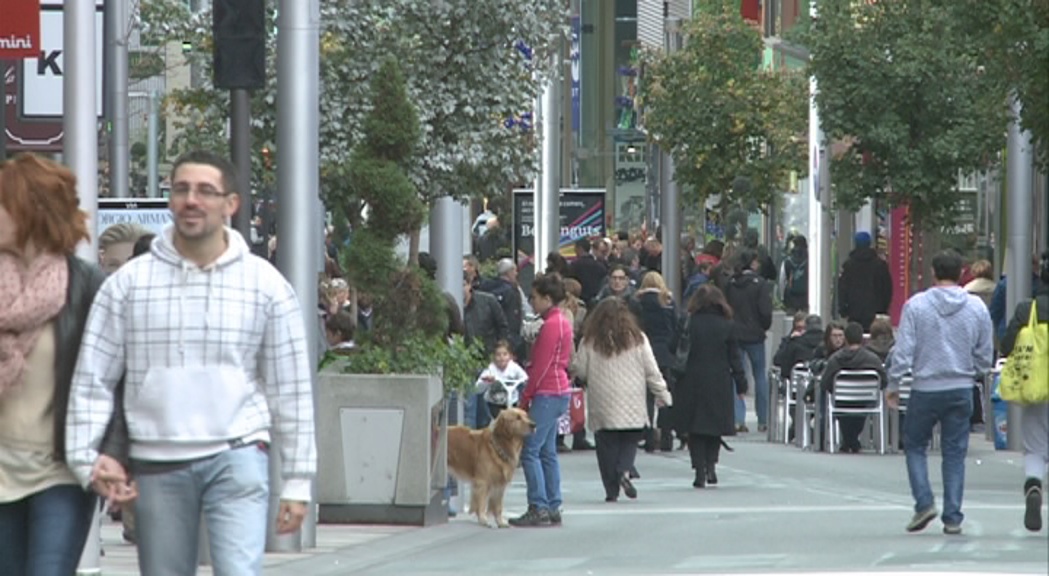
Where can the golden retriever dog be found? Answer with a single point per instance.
(487, 460)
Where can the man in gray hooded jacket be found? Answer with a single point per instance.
(945, 343)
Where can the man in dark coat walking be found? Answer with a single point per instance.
(865, 285)
(750, 296)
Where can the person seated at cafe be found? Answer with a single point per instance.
(854, 356)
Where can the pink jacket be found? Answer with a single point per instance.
(551, 354)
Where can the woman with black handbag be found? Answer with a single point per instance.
(707, 366)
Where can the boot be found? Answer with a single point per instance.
(1033, 502)
(701, 477)
(666, 440)
(712, 475)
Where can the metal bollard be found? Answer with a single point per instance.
(772, 418)
(801, 421)
(817, 416)
(91, 557)
(988, 406)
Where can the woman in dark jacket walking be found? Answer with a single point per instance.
(659, 322)
(705, 394)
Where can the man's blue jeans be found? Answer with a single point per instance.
(952, 409)
(755, 352)
(539, 457)
(43, 534)
(230, 489)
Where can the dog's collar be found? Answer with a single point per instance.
(501, 453)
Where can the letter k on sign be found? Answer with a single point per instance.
(20, 29)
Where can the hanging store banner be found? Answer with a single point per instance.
(20, 30)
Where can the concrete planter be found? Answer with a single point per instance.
(381, 447)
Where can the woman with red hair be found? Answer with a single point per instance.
(45, 295)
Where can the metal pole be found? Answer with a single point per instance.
(79, 121)
(547, 213)
(115, 13)
(670, 212)
(817, 228)
(298, 185)
(446, 245)
(1020, 156)
(539, 247)
(153, 146)
(80, 152)
(240, 152)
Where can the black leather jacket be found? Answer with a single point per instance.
(84, 281)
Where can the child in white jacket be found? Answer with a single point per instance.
(502, 369)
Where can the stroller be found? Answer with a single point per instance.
(501, 395)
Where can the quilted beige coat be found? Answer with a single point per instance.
(616, 386)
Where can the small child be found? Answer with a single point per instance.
(339, 329)
(503, 368)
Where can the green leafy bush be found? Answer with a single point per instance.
(456, 362)
(408, 335)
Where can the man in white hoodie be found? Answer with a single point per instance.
(212, 343)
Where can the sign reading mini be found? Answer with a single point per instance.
(20, 29)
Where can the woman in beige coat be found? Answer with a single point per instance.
(616, 363)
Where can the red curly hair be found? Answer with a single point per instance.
(41, 197)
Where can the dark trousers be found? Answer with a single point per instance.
(704, 451)
(851, 427)
(616, 450)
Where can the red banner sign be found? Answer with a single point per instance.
(900, 250)
(20, 30)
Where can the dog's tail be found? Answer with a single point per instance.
(726, 446)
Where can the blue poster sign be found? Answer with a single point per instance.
(574, 57)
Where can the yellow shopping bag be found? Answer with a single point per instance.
(1025, 377)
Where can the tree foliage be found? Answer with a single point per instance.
(724, 118)
(469, 65)
(409, 319)
(405, 300)
(1013, 37)
(902, 85)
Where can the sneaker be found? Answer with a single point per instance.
(921, 520)
(952, 529)
(534, 517)
(555, 517)
(628, 486)
(1033, 505)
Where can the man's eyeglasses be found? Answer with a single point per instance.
(205, 191)
(618, 278)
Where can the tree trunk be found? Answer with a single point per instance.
(413, 247)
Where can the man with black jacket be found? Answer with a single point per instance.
(800, 348)
(865, 285)
(504, 288)
(750, 296)
(587, 270)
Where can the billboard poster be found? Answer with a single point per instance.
(150, 213)
(582, 216)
